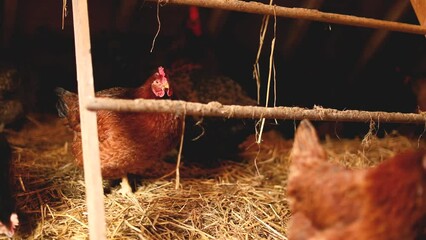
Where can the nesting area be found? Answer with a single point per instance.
(243, 200)
(226, 60)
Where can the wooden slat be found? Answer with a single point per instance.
(420, 10)
(302, 13)
(215, 109)
(89, 130)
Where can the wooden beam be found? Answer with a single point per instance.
(215, 109)
(420, 10)
(89, 129)
(301, 13)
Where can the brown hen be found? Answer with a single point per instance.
(209, 140)
(130, 143)
(330, 202)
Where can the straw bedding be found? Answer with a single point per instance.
(244, 200)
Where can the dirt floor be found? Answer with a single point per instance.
(244, 200)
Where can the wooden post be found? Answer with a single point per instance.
(420, 10)
(89, 129)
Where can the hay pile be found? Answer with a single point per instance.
(242, 201)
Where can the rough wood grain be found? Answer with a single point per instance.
(216, 109)
(301, 13)
(92, 169)
(420, 10)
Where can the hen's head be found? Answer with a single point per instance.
(8, 227)
(160, 84)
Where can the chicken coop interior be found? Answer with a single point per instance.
(240, 76)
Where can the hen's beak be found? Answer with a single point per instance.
(166, 86)
(167, 89)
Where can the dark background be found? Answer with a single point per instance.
(317, 63)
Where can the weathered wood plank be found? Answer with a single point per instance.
(302, 13)
(420, 10)
(89, 130)
(215, 109)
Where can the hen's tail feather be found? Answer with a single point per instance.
(61, 105)
(67, 107)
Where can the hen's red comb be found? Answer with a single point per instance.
(194, 21)
(161, 71)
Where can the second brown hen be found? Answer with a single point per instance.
(129, 142)
(331, 202)
(212, 139)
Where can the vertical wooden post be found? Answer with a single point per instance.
(89, 130)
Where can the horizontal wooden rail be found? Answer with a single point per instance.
(300, 13)
(215, 109)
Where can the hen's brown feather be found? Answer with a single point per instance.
(331, 202)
